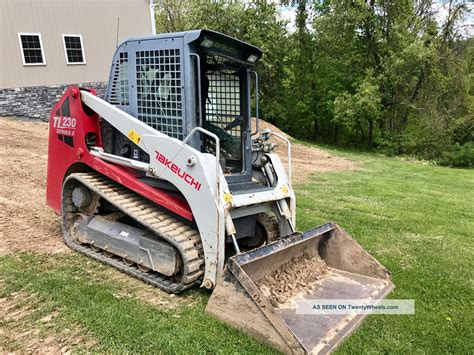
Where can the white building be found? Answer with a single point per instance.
(46, 43)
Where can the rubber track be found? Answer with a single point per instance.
(183, 237)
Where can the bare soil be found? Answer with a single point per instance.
(26, 223)
(230, 305)
(292, 278)
(306, 160)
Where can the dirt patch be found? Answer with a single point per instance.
(306, 160)
(26, 222)
(21, 331)
(292, 278)
(230, 304)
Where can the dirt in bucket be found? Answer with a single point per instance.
(292, 278)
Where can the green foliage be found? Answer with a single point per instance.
(380, 74)
(359, 112)
(459, 155)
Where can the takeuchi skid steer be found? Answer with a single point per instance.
(166, 181)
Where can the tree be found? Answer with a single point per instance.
(376, 73)
(172, 15)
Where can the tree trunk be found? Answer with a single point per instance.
(336, 134)
(371, 133)
(317, 128)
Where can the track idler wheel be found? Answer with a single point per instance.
(85, 200)
(143, 268)
(127, 262)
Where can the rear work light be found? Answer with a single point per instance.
(207, 43)
(252, 58)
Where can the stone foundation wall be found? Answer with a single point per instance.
(37, 101)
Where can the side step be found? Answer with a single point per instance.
(259, 289)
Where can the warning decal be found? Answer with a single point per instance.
(133, 136)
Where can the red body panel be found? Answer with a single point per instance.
(67, 153)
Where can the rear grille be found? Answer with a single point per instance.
(159, 96)
(119, 89)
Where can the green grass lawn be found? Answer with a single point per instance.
(416, 219)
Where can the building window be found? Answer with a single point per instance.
(73, 49)
(31, 49)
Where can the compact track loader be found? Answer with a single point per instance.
(166, 181)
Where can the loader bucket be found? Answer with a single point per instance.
(258, 289)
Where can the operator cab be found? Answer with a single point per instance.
(178, 81)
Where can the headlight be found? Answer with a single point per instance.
(207, 43)
(252, 58)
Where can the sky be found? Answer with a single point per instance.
(467, 26)
(288, 13)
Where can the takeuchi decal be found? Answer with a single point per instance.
(178, 171)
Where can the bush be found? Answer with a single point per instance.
(459, 156)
